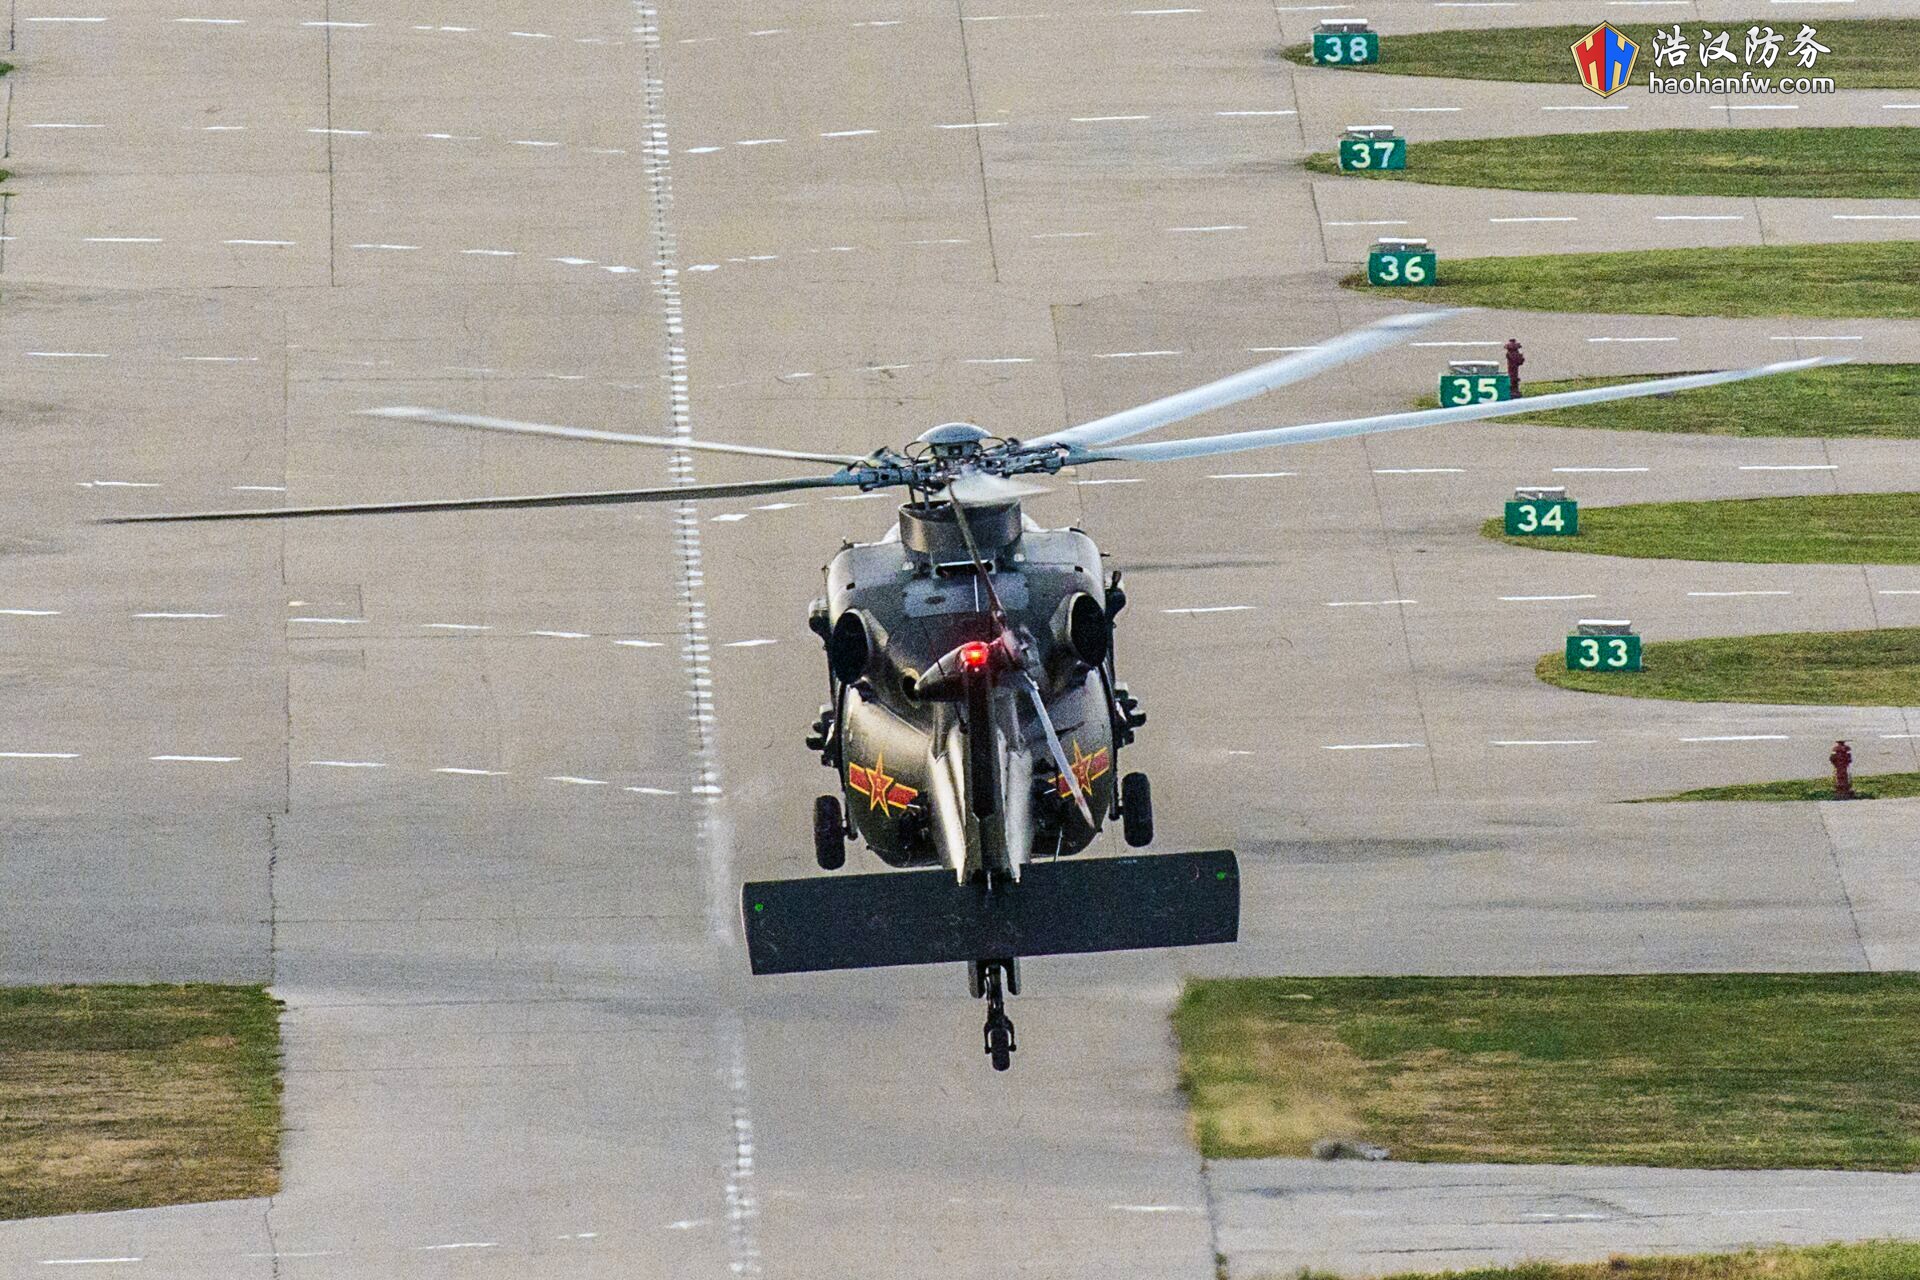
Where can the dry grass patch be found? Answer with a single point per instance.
(1752, 1071)
(123, 1097)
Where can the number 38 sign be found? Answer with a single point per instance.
(1603, 653)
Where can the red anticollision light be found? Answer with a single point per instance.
(974, 655)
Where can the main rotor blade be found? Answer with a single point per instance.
(1306, 433)
(981, 489)
(1059, 754)
(603, 498)
(479, 422)
(1244, 386)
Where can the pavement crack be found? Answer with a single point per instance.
(1846, 895)
(273, 899)
(979, 144)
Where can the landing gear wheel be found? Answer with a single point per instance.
(985, 975)
(1136, 809)
(829, 834)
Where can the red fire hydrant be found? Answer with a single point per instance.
(1514, 361)
(1841, 758)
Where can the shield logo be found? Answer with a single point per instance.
(1605, 59)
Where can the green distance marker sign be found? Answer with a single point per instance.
(1362, 154)
(1345, 48)
(1473, 388)
(1603, 653)
(1543, 518)
(1402, 266)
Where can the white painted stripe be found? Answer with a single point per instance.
(278, 244)
(1348, 604)
(1528, 599)
(1225, 226)
(347, 764)
(1699, 217)
(1369, 746)
(1252, 475)
(335, 622)
(464, 1244)
(1601, 470)
(1419, 471)
(1543, 742)
(31, 613)
(77, 1262)
(39, 755)
(1427, 110)
(650, 791)
(563, 635)
(850, 133)
(179, 615)
(1214, 608)
(1103, 119)
(1719, 594)
(69, 355)
(1810, 466)
(345, 133)
(1390, 222)
(122, 240)
(1741, 737)
(1899, 592)
(1266, 113)
(984, 124)
(1561, 218)
(1000, 360)
(1129, 355)
(1633, 339)
(571, 781)
(640, 644)
(474, 773)
(456, 626)
(1817, 337)
(402, 247)
(1876, 217)
(199, 759)
(747, 644)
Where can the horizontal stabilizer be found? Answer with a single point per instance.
(1057, 908)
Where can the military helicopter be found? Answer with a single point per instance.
(975, 715)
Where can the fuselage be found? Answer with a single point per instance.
(904, 757)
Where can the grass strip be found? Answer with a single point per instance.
(1867, 53)
(126, 1097)
(1834, 528)
(1749, 1071)
(1877, 668)
(1843, 401)
(1871, 1260)
(1875, 786)
(1873, 163)
(1823, 281)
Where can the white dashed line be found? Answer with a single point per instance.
(1876, 217)
(1543, 742)
(1061, 235)
(122, 240)
(1699, 217)
(1252, 475)
(277, 244)
(1531, 599)
(63, 125)
(463, 1244)
(1633, 339)
(1419, 471)
(492, 253)
(1725, 594)
(1000, 360)
(1574, 471)
(39, 755)
(472, 773)
(1388, 222)
(399, 247)
(1806, 466)
(1213, 608)
(563, 635)
(850, 133)
(181, 616)
(747, 644)
(77, 1262)
(347, 764)
(1537, 219)
(1817, 337)
(1369, 746)
(1265, 113)
(31, 613)
(985, 124)
(1225, 226)
(1103, 119)
(650, 791)
(1349, 604)
(68, 355)
(570, 780)
(1130, 355)
(1741, 737)
(640, 644)
(456, 626)
(332, 622)
(198, 759)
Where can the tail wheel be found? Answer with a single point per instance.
(829, 834)
(1136, 809)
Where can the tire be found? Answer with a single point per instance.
(1136, 810)
(1000, 1048)
(829, 834)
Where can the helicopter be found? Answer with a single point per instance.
(975, 715)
